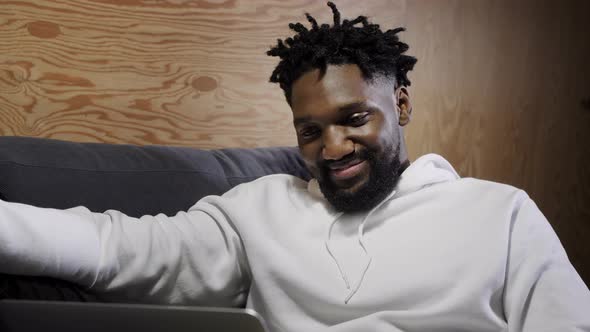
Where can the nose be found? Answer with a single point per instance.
(336, 143)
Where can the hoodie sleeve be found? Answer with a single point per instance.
(543, 291)
(195, 257)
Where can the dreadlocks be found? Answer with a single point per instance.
(377, 53)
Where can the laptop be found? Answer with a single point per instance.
(32, 316)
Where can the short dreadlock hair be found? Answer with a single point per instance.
(376, 53)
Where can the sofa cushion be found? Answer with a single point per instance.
(136, 180)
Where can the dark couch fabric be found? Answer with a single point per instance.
(137, 180)
(43, 289)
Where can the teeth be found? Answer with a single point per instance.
(344, 168)
(338, 168)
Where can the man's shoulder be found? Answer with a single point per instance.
(274, 183)
(275, 180)
(477, 183)
(486, 190)
(255, 193)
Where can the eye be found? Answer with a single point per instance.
(358, 119)
(308, 133)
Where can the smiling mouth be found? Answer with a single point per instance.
(347, 171)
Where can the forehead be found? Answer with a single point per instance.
(341, 85)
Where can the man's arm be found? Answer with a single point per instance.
(194, 257)
(543, 291)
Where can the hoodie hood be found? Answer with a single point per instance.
(427, 170)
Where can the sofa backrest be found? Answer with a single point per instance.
(136, 180)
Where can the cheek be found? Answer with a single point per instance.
(387, 138)
(377, 135)
(309, 153)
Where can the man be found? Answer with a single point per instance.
(371, 243)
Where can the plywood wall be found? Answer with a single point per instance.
(500, 88)
(176, 72)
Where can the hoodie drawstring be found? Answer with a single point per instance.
(360, 236)
(342, 274)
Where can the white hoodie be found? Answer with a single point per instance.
(439, 254)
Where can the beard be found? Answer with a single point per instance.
(385, 171)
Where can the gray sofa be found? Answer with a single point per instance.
(136, 180)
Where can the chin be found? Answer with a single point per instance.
(361, 196)
(351, 188)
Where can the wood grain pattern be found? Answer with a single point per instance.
(499, 91)
(500, 88)
(190, 73)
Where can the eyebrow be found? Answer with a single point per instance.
(342, 109)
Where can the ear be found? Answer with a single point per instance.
(404, 106)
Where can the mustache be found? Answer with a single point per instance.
(354, 156)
